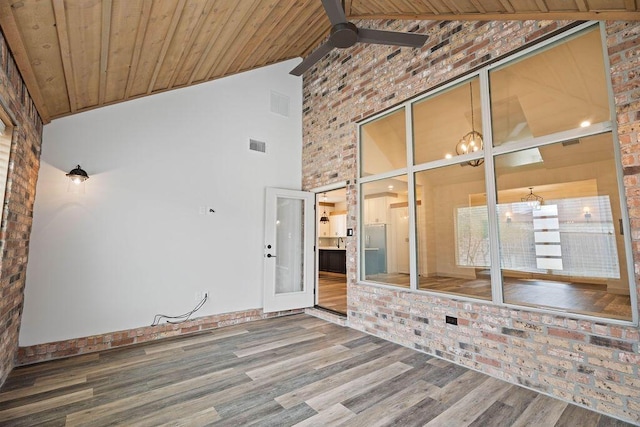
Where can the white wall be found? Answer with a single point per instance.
(135, 243)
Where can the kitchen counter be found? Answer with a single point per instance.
(330, 248)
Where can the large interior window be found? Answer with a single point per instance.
(437, 120)
(385, 215)
(383, 144)
(6, 133)
(527, 212)
(557, 89)
(448, 207)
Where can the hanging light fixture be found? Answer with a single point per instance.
(78, 175)
(324, 218)
(532, 200)
(471, 142)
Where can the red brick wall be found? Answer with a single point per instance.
(15, 228)
(84, 345)
(592, 364)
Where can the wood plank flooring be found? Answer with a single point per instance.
(296, 370)
(332, 291)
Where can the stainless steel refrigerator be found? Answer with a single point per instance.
(375, 246)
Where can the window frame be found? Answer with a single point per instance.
(489, 154)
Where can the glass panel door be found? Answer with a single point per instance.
(288, 250)
(289, 245)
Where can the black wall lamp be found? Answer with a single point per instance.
(78, 175)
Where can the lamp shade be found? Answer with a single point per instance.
(78, 175)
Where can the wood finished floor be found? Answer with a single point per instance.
(576, 297)
(296, 370)
(332, 291)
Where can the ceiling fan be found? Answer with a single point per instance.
(345, 34)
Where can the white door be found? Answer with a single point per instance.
(288, 249)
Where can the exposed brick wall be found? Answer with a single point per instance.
(84, 345)
(17, 215)
(590, 363)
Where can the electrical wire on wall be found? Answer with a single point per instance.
(181, 318)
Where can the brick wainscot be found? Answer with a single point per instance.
(591, 363)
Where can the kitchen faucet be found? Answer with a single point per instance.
(340, 239)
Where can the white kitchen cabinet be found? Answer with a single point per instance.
(376, 210)
(338, 225)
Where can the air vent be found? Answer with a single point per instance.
(279, 104)
(256, 145)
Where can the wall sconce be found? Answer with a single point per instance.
(587, 213)
(508, 215)
(78, 175)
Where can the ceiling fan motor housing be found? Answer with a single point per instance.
(344, 35)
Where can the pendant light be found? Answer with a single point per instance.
(471, 142)
(532, 200)
(324, 218)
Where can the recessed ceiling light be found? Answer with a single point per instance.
(448, 156)
(390, 187)
(585, 124)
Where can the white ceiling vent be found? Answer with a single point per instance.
(279, 104)
(256, 145)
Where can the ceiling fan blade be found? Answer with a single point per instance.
(391, 38)
(334, 11)
(314, 57)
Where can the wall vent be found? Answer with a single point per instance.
(256, 145)
(279, 104)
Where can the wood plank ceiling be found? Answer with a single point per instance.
(76, 55)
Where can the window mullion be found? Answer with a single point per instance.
(411, 199)
(490, 183)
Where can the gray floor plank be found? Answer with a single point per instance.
(277, 372)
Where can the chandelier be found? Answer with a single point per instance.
(532, 200)
(471, 142)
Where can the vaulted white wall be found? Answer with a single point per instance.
(136, 243)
